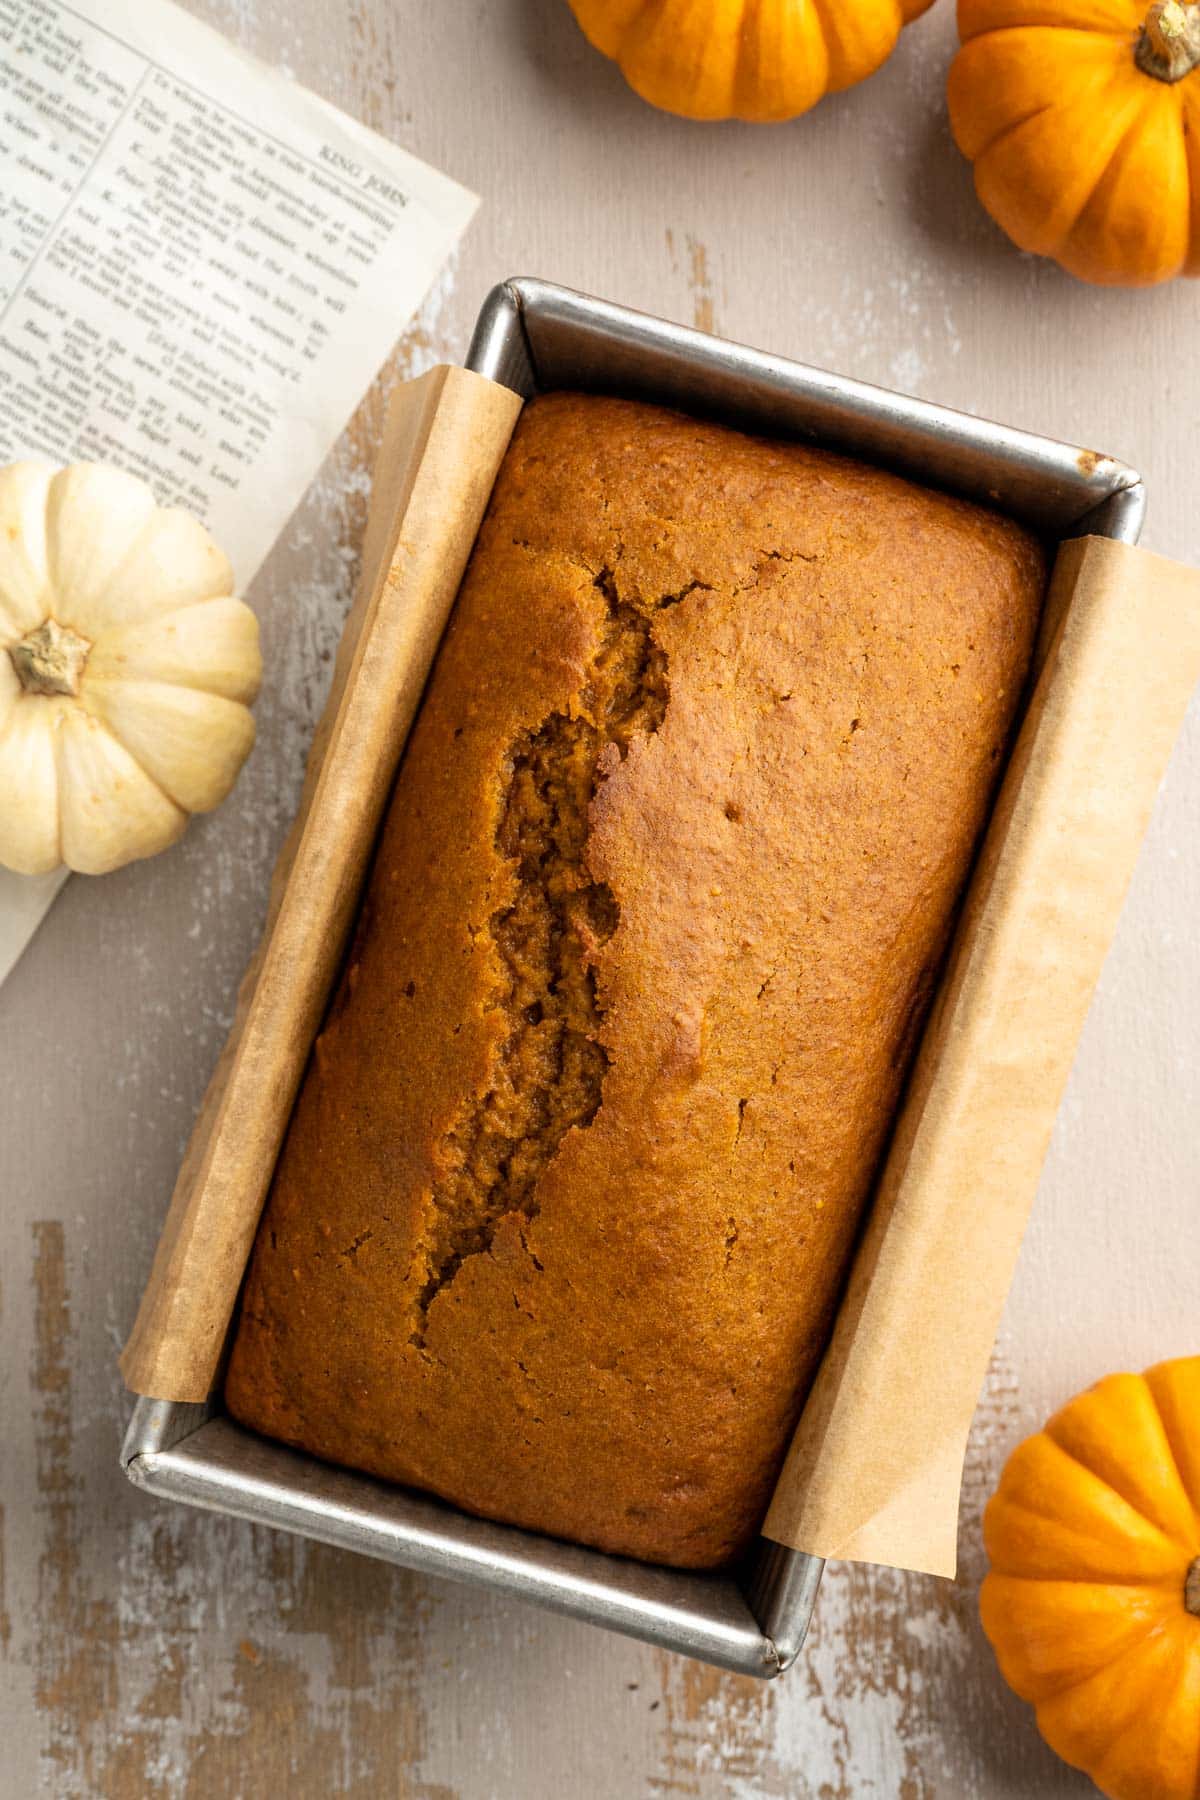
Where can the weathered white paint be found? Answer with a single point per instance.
(150, 1652)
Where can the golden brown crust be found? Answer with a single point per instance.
(671, 860)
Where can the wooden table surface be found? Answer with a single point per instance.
(146, 1650)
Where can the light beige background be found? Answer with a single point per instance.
(146, 1651)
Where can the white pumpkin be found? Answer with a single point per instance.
(126, 670)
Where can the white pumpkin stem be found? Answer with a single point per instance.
(50, 659)
(1168, 45)
(1191, 1589)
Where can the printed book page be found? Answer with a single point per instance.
(202, 266)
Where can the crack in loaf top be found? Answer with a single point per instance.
(666, 877)
(548, 1075)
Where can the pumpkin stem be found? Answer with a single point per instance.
(1168, 45)
(1191, 1589)
(50, 659)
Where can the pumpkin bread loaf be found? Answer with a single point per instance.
(670, 865)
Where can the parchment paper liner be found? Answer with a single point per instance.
(444, 440)
(875, 1466)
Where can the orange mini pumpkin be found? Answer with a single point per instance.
(761, 60)
(1082, 118)
(1092, 1604)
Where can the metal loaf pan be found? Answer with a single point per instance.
(531, 337)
